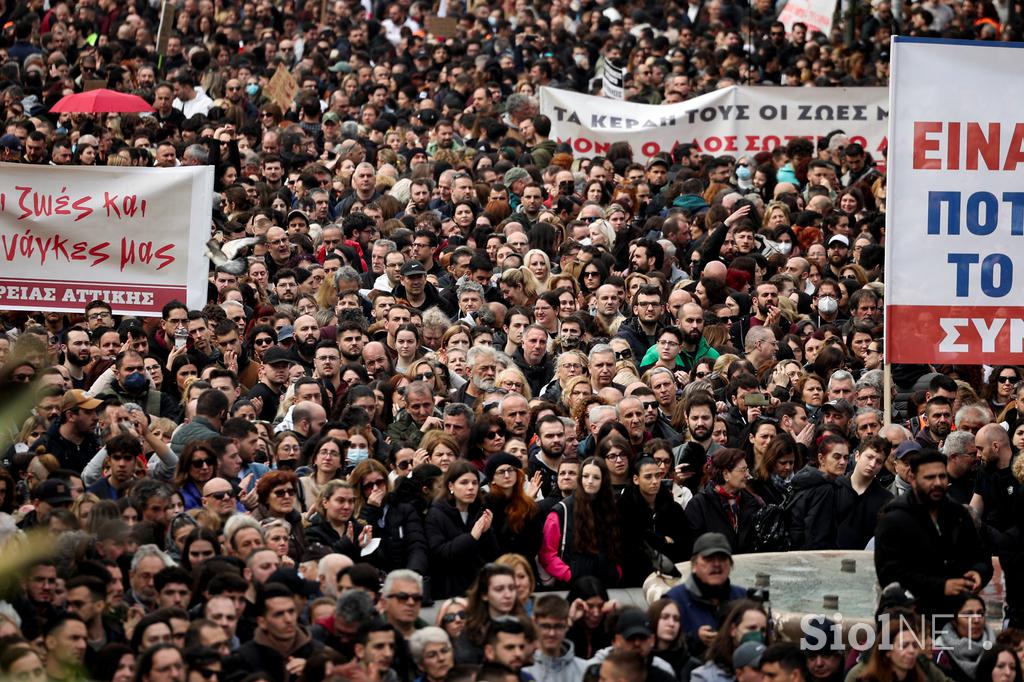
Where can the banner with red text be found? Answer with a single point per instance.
(134, 237)
(737, 120)
(955, 204)
(815, 14)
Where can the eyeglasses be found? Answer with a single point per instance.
(200, 463)
(649, 304)
(406, 596)
(284, 492)
(450, 618)
(438, 653)
(616, 456)
(370, 485)
(505, 471)
(221, 495)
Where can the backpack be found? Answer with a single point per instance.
(771, 527)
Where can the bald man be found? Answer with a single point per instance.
(997, 487)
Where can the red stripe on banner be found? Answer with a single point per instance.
(71, 297)
(955, 335)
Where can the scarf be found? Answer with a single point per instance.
(731, 503)
(964, 651)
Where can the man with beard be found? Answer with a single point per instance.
(307, 335)
(707, 589)
(273, 379)
(861, 497)
(937, 423)
(641, 330)
(996, 487)
(928, 543)
(838, 252)
(77, 354)
(551, 437)
(533, 359)
(695, 347)
(351, 339)
(646, 256)
(962, 462)
(132, 385)
(420, 191)
(483, 367)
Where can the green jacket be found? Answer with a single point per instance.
(686, 361)
(404, 431)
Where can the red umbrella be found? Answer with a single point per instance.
(102, 100)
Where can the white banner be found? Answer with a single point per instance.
(815, 14)
(954, 270)
(134, 237)
(737, 120)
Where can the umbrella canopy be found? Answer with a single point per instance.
(102, 100)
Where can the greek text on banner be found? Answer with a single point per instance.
(133, 237)
(956, 205)
(737, 120)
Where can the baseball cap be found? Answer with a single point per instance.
(839, 405)
(657, 161)
(291, 579)
(75, 398)
(53, 491)
(841, 238)
(907, 447)
(274, 355)
(11, 142)
(413, 268)
(710, 544)
(286, 332)
(331, 117)
(633, 623)
(296, 213)
(748, 655)
(341, 67)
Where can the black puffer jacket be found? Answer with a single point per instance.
(537, 376)
(403, 540)
(656, 526)
(707, 514)
(812, 514)
(323, 533)
(456, 556)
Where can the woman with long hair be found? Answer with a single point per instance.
(724, 505)
(486, 438)
(999, 664)
(396, 523)
(517, 523)
(573, 546)
(774, 472)
(328, 463)
(999, 389)
(760, 434)
(670, 639)
(459, 532)
(895, 658)
(746, 619)
(197, 465)
(617, 454)
(526, 578)
(277, 492)
(491, 596)
(335, 526)
(960, 644)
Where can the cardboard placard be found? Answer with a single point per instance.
(282, 88)
(443, 27)
(163, 33)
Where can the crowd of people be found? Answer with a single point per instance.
(447, 363)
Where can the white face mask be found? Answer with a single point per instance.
(357, 455)
(827, 305)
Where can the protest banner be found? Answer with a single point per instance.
(735, 120)
(816, 14)
(955, 205)
(613, 82)
(282, 88)
(133, 237)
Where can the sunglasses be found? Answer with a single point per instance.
(425, 376)
(624, 354)
(370, 485)
(406, 596)
(404, 464)
(450, 618)
(284, 492)
(650, 406)
(494, 434)
(221, 495)
(263, 342)
(1007, 380)
(200, 463)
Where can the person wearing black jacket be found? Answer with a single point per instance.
(861, 497)
(334, 526)
(278, 638)
(928, 543)
(655, 521)
(459, 532)
(396, 524)
(812, 513)
(724, 505)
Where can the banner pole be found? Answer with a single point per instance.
(887, 393)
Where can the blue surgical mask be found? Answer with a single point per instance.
(252, 89)
(135, 382)
(357, 455)
(743, 172)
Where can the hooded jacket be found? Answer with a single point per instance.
(812, 514)
(921, 554)
(566, 667)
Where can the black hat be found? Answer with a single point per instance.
(710, 544)
(413, 268)
(633, 623)
(275, 354)
(53, 491)
(291, 579)
(499, 459)
(839, 405)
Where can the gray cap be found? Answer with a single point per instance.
(710, 544)
(748, 655)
